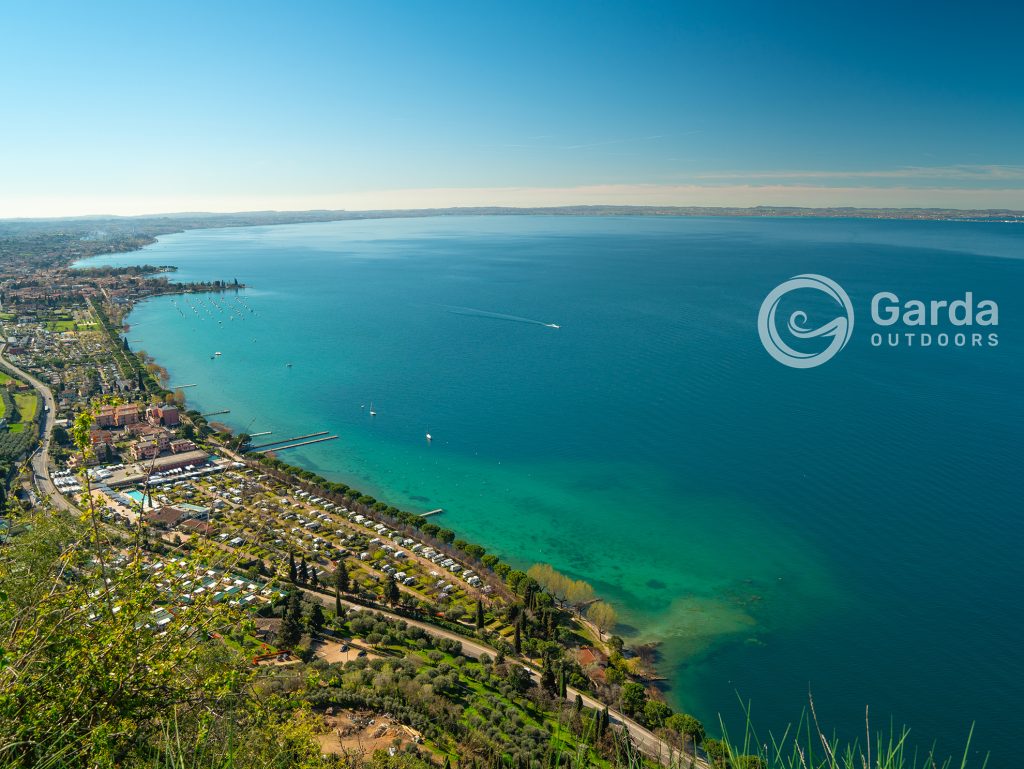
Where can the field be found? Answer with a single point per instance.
(28, 405)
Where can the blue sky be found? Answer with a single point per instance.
(146, 107)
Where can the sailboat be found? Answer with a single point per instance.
(429, 437)
(372, 412)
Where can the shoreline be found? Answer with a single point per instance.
(639, 627)
(660, 671)
(652, 672)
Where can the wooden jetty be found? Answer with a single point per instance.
(275, 447)
(289, 440)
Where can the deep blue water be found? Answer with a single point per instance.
(853, 529)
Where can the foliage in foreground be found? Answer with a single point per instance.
(86, 681)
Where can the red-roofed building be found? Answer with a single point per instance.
(166, 415)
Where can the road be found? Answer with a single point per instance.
(648, 742)
(40, 461)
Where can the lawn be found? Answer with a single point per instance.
(61, 325)
(28, 405)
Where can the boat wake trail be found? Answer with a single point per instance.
(474, 313)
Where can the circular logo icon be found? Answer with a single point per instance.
(839, 328)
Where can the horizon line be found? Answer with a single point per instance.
(510, 208)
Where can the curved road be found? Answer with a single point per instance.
(41, 457)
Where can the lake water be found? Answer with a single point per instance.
(853, 529)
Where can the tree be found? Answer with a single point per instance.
(633, 698)
(579, 593)
(391, 592)
(717, 751)
(303, 571)
(514, 578)
(479, 614)
(686, 726)
(603, 615)
(446, 535)
(517, 641)
(519, 678)
(291, 623)
(315, 621)
(655, 713)
(314, 579)
(490, 561)
(562, 689)
(340, 584)
(341, 578)
(553, 581)
(292, 573)
(547, 679)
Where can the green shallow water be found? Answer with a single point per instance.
(773, 529)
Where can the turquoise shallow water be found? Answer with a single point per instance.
(853, 528)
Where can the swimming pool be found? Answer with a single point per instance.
(137, 496)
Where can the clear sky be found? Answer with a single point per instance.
(141, 107)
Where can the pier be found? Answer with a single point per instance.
(215, 413)
(182, 387)
(432, 512)
(256, 435)
(295, 445)
(289, 440)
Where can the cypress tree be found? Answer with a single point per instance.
(561, 682)
(577, 704)
(292, 574)
(339, 577)
(391, 592)
(314, 580)
(479, 614)
(547, 678)
(316, 619)
(517, 641)
(291, 625)
(303, 571)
